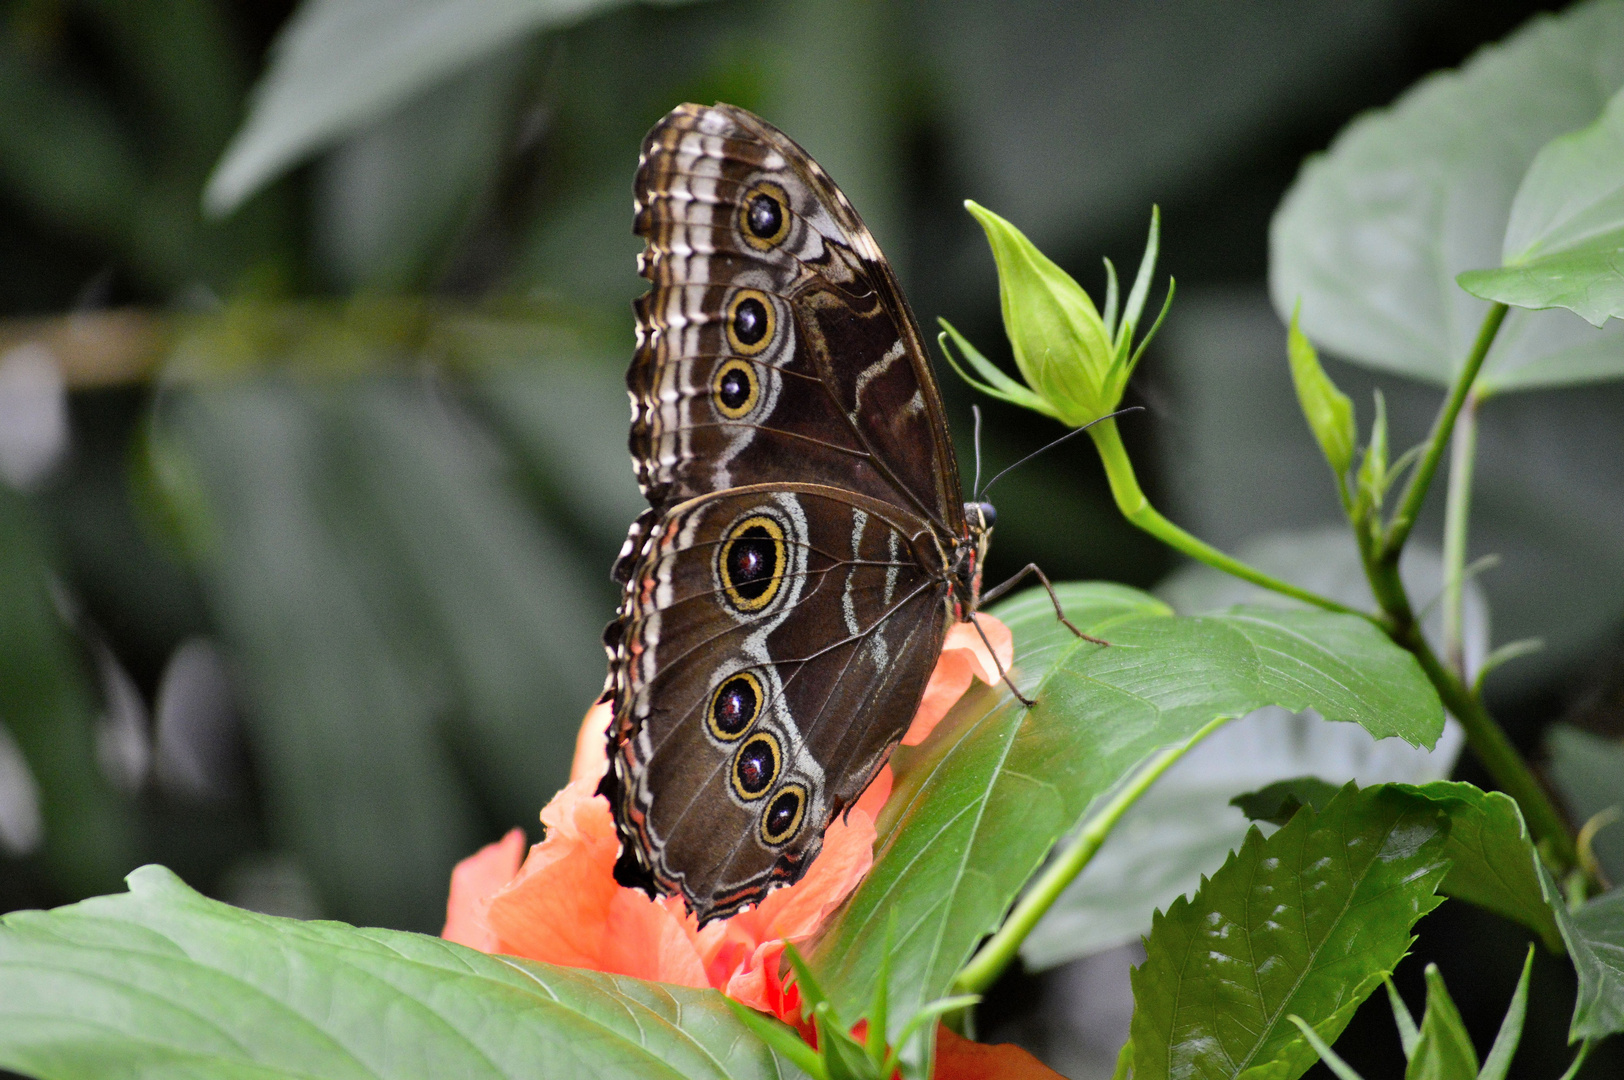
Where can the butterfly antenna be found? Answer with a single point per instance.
(975, 488)
(1068, 435)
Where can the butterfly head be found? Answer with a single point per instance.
(971, 556)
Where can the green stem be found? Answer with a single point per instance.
(1457, 509)
(1415, 492)
(993, 957)
(1486, 738)
(1136, 508)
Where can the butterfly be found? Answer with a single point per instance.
(805, 549)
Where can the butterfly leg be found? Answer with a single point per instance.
(1059, 612)
(1002, 674)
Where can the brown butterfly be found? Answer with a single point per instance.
(805, 547)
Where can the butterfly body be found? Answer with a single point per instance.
(805, 549)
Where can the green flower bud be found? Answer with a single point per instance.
(1075, 362)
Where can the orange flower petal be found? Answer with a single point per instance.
(964, 657)
(472, 883)
(591, 743)
(957, 1058)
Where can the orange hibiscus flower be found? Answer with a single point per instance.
(560, 903)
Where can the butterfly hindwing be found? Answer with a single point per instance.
(777, 642)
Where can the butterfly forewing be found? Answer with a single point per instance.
(788, 590)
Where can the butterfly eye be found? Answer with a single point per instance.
(755, 766)
(751, 563)
(783, 814)
(750, 322)
(735, 706)
(763, 217)
(735, 389)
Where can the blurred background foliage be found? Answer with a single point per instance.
(313, 454)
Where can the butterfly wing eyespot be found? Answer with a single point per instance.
(764, 216)
(735, 389)
(751, 563)
(782, 818)
(751, 322)
(735, 706)
(755, 766)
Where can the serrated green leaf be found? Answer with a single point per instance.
(978, 806)
(161, 981)
(1564, 246)
(1328, 410)
(1279, 801)
(1372, 233)
(1305, 922)
(1494, 863)
(1444, 1049)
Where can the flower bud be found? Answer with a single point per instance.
(1061, 344)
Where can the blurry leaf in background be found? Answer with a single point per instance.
(118, 160)
(22, 828)
(1222, 971)
(339, 64)
(418, 650)
(1588, 771)
(33, 415)
(392, 199)
(1547, 500)
(1372, 234)
(1564, 246)
(47, 704)
(160, 981)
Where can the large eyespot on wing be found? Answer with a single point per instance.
(751, 561)
(739, 735)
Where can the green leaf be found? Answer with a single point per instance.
(340, 64)
(1341, 1069)
(1588, 770)
(1328, 411)
(1444, 1049)
(1279, 801)
(1565, 244)
(1408, 1033)
(1374, 231)
(1185, 825)
(1498, 1063)
(978, 806)
(1494, 862)
(161, 981)
(1305, 922)
(1595, 938)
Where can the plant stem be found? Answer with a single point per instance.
(995, 955)
(1415, 492)
(1486, 738)
(1462, 454)
(1133, 504)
